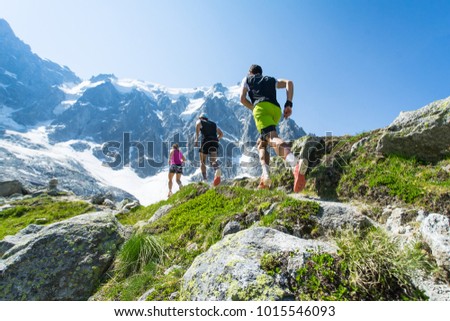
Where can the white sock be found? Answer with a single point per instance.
(265, 171)
(291, 160)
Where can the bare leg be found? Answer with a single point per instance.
(264, 157)
(179, 180)
(170, 183)
(280, 147)
(213, 159)
(215, 166)
(203, 164)
(299, 167)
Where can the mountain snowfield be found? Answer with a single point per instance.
(126, 179)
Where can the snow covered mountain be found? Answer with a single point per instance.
(28, 84)
(109, 134)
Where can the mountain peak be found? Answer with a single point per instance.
(10, 42)
(5, 29)
(103, 77)
(218, 87)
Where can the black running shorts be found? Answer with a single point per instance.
(209, 146)
(176, 169)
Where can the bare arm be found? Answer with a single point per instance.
(170, 156)
(197, 131)
(244, 101)
(219, 133)
(289, 85)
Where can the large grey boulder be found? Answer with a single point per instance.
(61, 261)
(231, 269)
(435, 230)
(9, 188)
(338, 216)
(423, 133)
(310, 148)
(162, 211)
(335, 216)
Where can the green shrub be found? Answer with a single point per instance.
(271, 263)
(323, 277)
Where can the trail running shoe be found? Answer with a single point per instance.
(265, 183)
(299, 175)
(170, 194)
(217, 177)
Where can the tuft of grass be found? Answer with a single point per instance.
(145, 212)
(201, 219)
(137, 253)
(39, 210)
(378, 268)
(369, 266)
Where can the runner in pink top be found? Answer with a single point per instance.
(176, 160)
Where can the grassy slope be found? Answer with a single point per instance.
(38, 210)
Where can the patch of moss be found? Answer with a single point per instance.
(297, 217)
(271, 263)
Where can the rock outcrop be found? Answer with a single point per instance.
(435, 230)
(335, 216)
(423, 133)
(9, 188)
(231, 269)
(61, 261)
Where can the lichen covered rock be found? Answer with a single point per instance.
(423, 133)
(231, 269)
(61, 261)
(435, 230)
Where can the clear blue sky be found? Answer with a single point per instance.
(355, 63)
